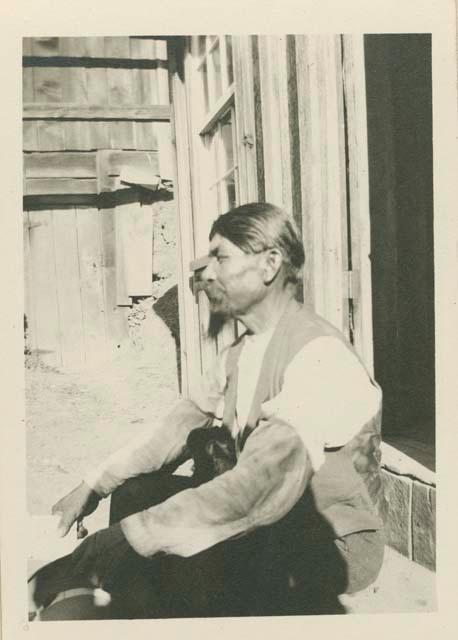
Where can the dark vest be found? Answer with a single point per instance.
(346, 492)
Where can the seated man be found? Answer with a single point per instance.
(282, 513)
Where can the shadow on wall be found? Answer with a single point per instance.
(166, 307)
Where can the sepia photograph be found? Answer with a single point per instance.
(245, 224)
(232, 324)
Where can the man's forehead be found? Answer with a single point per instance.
(220, 243)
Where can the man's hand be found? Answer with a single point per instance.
(78, 503)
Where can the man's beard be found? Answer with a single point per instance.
(217, 321)
(219, 313)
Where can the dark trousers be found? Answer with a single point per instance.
(271, 571)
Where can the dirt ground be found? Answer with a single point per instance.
(75, 419)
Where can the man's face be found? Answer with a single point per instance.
(233, 280)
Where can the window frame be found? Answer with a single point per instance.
(204, 162)
(205, 122)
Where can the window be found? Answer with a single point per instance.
(214, 166)
(215, 68)
(220, 146)
(214, 125)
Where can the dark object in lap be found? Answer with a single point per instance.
(213, 452)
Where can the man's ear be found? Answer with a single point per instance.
(272, 264)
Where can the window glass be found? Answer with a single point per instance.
(230, 194)
(215, 58)
(211, 142)
(227, 160)
(204, 76)
(230, 68)
(201, 50)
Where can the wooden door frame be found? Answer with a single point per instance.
(181, 141)
(360, 277)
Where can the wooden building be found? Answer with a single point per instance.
(338, 130)
(96, 125)
(335, 128)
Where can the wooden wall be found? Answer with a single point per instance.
(301, 144)
(301, 100)
(96, 123)
(93, 93)
(70, 285)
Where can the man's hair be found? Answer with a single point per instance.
(258, 226)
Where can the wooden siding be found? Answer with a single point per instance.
(71, 321)
(95, 111)
(114, 84)
(189, 329)
(299, 103)
(305, 165)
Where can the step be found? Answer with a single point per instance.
(403, 586)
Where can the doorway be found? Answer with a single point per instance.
(399, 113)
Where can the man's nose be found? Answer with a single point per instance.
(208, 273)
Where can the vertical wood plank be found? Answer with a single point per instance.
(145, 136)
(141, 48)
(94, 47)
(47, 46)
(355, 100)
(308, 161)
(246, 126)
(116, 324)
(47, 84)
(134, 231)
(280, 72)
(323, 165)
(74, 86)
(122, 297)
(43, 282)
(201, 154)
(27, 85)
(190, 356)
(336, 210)
(275, 115)
(77, 135)
(122, 135)
(74, 47)
(144, 80)
(162, 75)
(119, 86)
(145, 86)
(294, 136)
(50, 135)
(26, 46)
(91, 283)
(29, 135)
(270, 116)
(99, 135)
(259, 125)
(162, 130)
(29, 293)
(97, 86)
(117, 47)
(68, 288)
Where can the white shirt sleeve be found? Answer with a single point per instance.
(327, 396)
